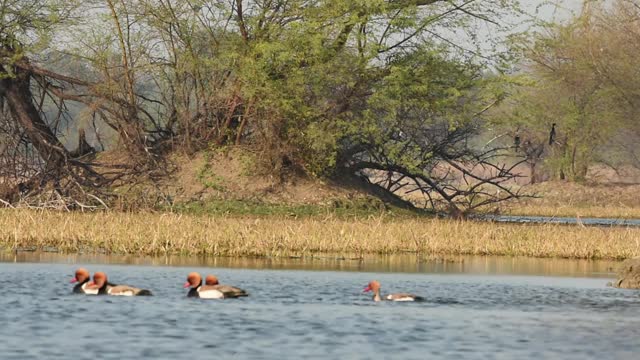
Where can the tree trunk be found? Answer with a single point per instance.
(532, 168)
(84, 147)
(17, 94)
(573, 162)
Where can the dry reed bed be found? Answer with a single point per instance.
(171, 234)
(559, 198)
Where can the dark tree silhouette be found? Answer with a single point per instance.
(552, 134)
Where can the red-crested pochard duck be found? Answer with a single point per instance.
(375, 287)
(212, 289)
(82, 278)
(228, 290)
(105, 288)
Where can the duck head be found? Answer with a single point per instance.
(373, 286)
(81, 276)
(211, 280)
(99, 281)
(193, 280)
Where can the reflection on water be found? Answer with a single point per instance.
(408, 263)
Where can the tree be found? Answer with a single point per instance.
(581, 77)
(36, 98)
(327, 87)
(416, 134)
(21, 19)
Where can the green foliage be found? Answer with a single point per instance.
(340, 208)
(303, 76)
(422, 94)
(575, 79)
(209, 179)
(29, 26)
(206, 176)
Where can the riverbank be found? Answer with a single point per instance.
(180, 234)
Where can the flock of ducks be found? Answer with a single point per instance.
(211, 289)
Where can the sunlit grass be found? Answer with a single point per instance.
(174, 234)
(570, 199)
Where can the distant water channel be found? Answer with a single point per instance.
(476, 308)
(519, 219)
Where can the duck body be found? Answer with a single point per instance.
(205, 292)
(82, 278)
(124, 290)
(104, 287)
(212, 289)
(400, 297)
(228, 290)
(81, 288)
(403, 297)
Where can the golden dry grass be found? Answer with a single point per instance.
(172, 234)
(570, 199)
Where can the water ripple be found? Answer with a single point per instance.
(295, 314)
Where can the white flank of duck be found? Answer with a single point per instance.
(86, 290)
(209, 293)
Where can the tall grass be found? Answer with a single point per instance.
(584, 200)
(173, 234)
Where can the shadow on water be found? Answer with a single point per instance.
(407, 263)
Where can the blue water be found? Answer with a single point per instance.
(315, 314)
(521, 219)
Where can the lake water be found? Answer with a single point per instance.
(520, 219)
(476, 308)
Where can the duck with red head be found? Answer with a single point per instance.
(82, 278)
(211, 280)
(105, 288)
(212, 289)
(227, 290)
(375, 287)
